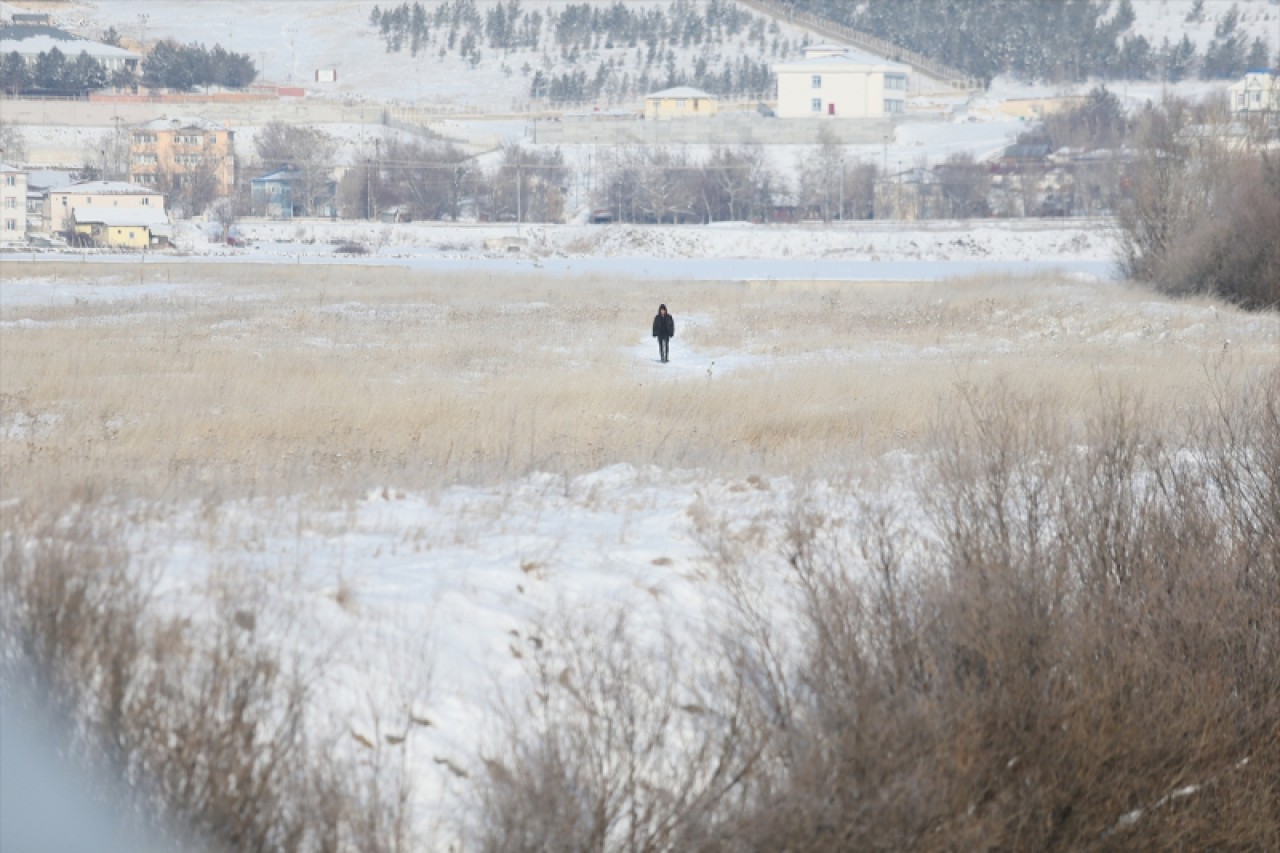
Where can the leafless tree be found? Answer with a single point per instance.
(308, 150)
(13, 143)
(431, 179)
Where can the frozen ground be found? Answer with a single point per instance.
(426, 607)
(867, 251)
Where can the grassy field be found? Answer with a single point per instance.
(232, 380)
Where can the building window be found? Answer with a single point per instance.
(816, 105)
(817, 81)
(144, 159)
(11, 225)
(9, 180)
(891, 106)
(895, 81)
(146, 202)
(11, 203)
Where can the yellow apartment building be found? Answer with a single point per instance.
(186, 149)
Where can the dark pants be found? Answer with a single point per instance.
(664, 348)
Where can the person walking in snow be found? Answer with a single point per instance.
(664, 329)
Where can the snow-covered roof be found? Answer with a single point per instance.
(121, 216)
(47, 179)
(5, 167)
(842, 62)
(109, 188)
(180, 123)
(285, 174)
(32, 40)
(825, 47)
(681, 92)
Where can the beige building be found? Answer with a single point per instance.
(680, 102)
(1258, 94)
(184, 149)
(831, 81)
(61, 204)
(13, 204)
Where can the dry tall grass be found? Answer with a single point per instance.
(1087, 657)
(206, 722)
(236, 380)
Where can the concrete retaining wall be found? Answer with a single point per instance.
(255, 112)
(731, 129)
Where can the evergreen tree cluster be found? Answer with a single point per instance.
(53, 73)
(1064, 40)
(184, 67)
(635, 48)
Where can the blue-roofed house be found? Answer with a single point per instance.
(288, 192)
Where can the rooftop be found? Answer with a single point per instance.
(180, 123)
(109, 188)
(29, 40)
(841, 62)
(681, 92)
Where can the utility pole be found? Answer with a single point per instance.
(841, 214)
(377, 164)
(519, 203)
(368, 190)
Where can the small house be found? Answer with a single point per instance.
(680, 102)
(122, 227)
(1258, 92)
(287, 192)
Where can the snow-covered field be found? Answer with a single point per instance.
(865, 251)
(421, 458)
(417, 471)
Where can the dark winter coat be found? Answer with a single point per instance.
(664, 326)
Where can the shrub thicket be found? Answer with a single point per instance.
(1203, 210)
(1085, 656)
(205, 721)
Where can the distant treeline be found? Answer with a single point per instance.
(169, 66)
(640, 44)
(53, 73)
(177, 66)
(1057, 41)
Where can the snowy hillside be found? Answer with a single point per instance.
(291, 40)
(456, 63)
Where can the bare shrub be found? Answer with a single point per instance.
(1202, 213)
(1086, 657)
(205, 721)
(619, 746)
